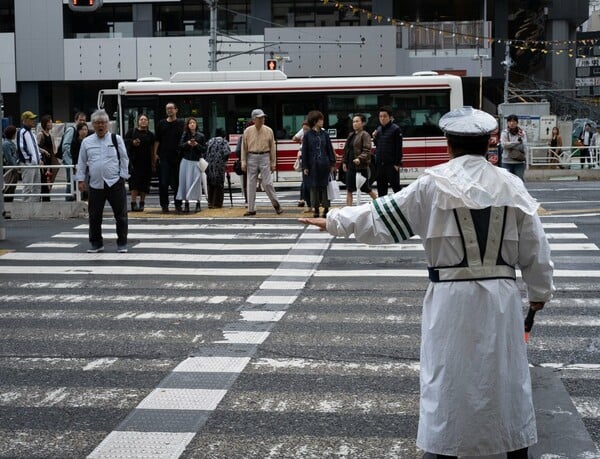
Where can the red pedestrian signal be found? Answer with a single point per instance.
(271, 64)
(85, 6)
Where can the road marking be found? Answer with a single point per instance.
(236, 336)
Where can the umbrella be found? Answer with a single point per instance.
(229, 186)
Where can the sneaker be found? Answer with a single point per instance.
(96, 249)
(122, 249)
(249, 213)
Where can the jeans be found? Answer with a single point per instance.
(515, 168)
(116, 196)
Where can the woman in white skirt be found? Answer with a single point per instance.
(192, 147)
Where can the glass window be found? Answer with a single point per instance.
(583, 71)
(107, 22)
(315, 13)
(191, 17)
(7, 16)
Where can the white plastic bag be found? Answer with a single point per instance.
(203, 164)
(333, 189)
(360, 180)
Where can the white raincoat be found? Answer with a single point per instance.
(475, 382)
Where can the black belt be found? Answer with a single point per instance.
(259, 152)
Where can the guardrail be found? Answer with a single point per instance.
(64, 184)
(569, 157)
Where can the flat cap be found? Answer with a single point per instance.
(257, 113)
(468, 121)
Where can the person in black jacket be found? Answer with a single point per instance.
(388, 152)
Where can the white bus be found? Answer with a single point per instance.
(225, 100)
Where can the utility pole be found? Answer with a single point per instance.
(212, 42)
(2, 212)
(507, 63)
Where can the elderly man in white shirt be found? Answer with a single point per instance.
(103, 160)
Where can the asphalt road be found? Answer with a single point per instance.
(226, 338)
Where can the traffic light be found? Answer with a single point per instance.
(85, 6)
(271, 64)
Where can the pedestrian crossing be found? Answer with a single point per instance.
(269, 339)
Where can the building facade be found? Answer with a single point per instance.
(55, 60)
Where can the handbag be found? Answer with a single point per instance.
(202, 164)
(237, 167)
(298, 164)
(333, 188)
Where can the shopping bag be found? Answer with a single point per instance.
(360, 180)
(333, 189)
(202, 164)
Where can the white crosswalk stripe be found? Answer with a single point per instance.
(330, 339)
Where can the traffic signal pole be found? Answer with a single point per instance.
(212, 42)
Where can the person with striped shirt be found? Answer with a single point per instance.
(29, 155)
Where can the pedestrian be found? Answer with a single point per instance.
(102, 167)
(46, 144)
(217, 154)
(64, 149)
(514, 146)
(585, 142)
(595, 150)
(318, 162)
(81, 132)
(555, 144)
(304, 191)
(240, 171)
(10, 158)
(388, 152)
(30, 156)
(139, 142)
(192, 147)
(259, 156)
(477, 223)
(166, 157)
(357, 158)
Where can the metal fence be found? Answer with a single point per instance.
(63, 186)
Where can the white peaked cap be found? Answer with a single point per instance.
(468, 121)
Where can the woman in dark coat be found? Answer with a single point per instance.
(217, 154)
(318, 161)
(139, 142)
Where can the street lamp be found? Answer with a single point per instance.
(480, 58)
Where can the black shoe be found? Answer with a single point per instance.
(134, 207)
(249, 213)
(178, 210)
(198, 209)
(165, 210)
(96, 249)
(141, 206)
(301, 203)
(278, 210)
(186, 208)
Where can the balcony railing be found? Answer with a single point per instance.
(446, 36)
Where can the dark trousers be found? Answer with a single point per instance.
(168, 177)
(318, 197)
(519, 454)
(117, 198)
(215, 196)
(387, 175)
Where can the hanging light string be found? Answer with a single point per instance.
(556, 47)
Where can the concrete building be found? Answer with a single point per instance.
(55, 60)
